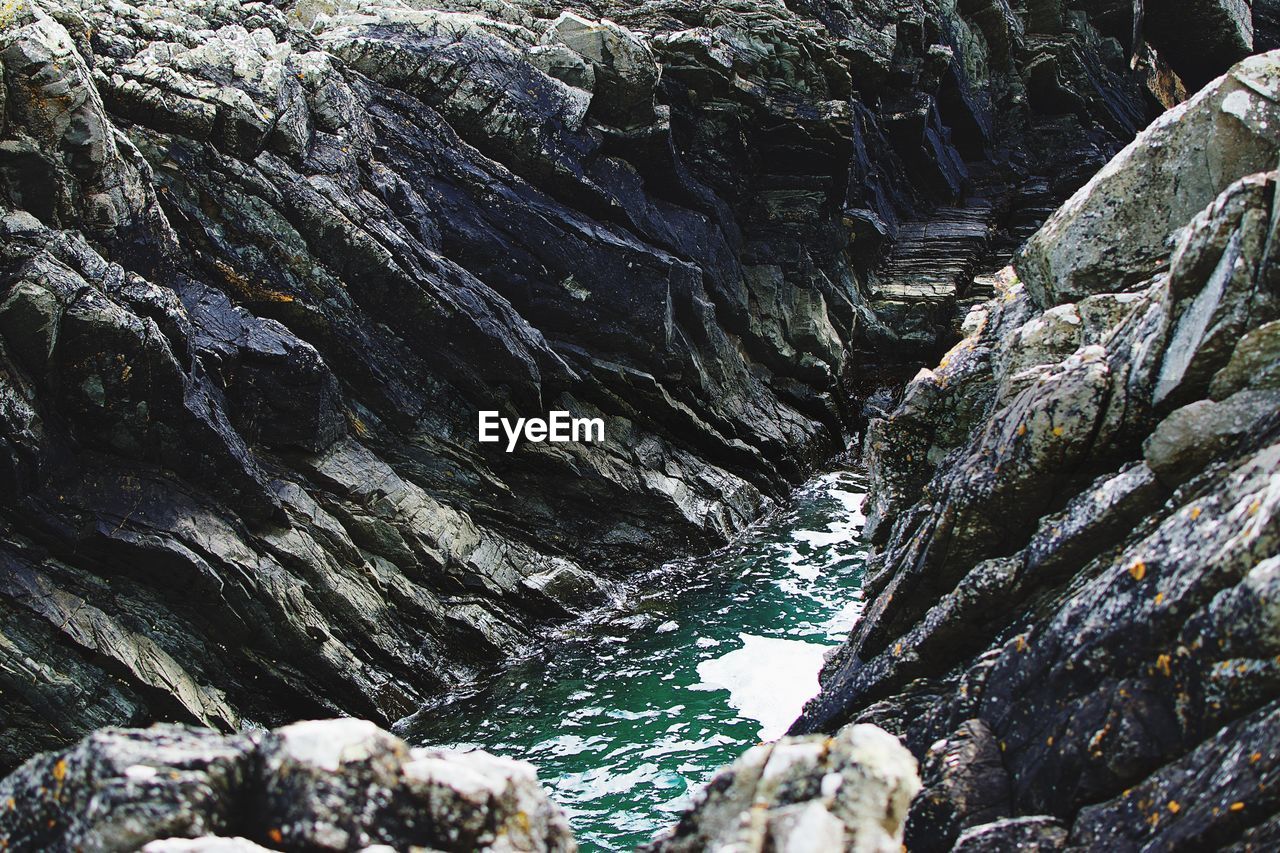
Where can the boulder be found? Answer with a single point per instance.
(340, 785)
(849, 792)
(1185, 442)
(1115, 232)
(624, 71)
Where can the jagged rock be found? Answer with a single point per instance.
(849, 792)
(624, 72)
(1185, 442)
(261, 264)
(1209, 798)
(965, 785)
(119, 789)
(1227, 248)
(1201, 36)
(321, 785)
(1266, 25)
(1075, 517)
(562, 63)
(1255, 363)
(65, 159)
(1114, 233)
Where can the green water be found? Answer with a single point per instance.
(627, 715)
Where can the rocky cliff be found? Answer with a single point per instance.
(262, 264)
(1077, 517)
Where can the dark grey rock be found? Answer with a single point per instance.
(1191, 437)
(262, 263)
(1205, 800)
(1255, 363)
(965, 785)
(119, 789)
(1075, 519)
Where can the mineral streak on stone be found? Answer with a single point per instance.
(261, 265)
(330, 785)
(1073, 616)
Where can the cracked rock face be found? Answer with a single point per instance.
(1076, 518)
(262, 264)
(332, 785)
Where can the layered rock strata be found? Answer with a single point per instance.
(262, 264)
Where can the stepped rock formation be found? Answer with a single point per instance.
(262, 264)
(1073, 619)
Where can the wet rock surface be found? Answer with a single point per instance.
(339, 784)
(1074, 620)
(261, 265)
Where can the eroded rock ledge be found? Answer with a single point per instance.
(1074, 620)
(261, 264)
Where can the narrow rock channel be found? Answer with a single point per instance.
(275, 273)
(627, 715)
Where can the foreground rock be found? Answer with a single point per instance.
(333, 785)
(850, 792)
(1077, 519)
(262, 264)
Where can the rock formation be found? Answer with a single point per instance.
(320, 785)
(1077, 517)
(346, 785)
(262, 264)
(850, 792)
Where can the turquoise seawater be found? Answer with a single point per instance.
(628, 714)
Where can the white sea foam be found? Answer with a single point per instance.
(768, 679)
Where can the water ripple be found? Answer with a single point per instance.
(626, 717)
